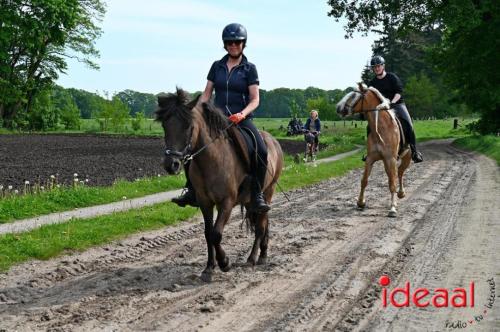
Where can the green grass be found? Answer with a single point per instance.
(488, 145)
(63, 199)
(79, 234)
(341, 136)
(52, 240)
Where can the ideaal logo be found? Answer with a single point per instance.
(422, 297)
(439, 298)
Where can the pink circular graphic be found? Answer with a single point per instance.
(384, 280)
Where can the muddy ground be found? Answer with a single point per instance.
(325, 259)
(100, 159)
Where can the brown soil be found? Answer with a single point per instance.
(325, 258)
(100, 159)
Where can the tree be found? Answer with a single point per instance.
(466, 53)
(36, 38)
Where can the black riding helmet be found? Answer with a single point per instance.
(377, 60)
(234, 31)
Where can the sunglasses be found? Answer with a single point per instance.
(231, 42)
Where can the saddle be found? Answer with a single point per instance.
(403, 144)
(245, 145)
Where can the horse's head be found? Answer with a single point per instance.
(350, 103)
(361, 100)
(175, 114)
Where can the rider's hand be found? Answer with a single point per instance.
(237, 118)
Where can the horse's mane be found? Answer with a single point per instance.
(174, 103)
(179, 104)
(215, 119)
(378, 94)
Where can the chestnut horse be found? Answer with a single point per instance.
(199, 132)
(383, 141)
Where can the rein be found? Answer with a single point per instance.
(376, 115)
(186, 154)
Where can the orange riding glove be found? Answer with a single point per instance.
(237, 118)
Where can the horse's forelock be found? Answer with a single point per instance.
(172, 102)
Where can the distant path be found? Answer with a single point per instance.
(99, 210)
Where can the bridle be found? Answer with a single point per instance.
(186, 155)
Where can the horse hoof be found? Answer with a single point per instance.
(401, 194)
(392, 214)
(226, 266)
(262, 261)
(250, 263)
(361, 205)
(206, 276)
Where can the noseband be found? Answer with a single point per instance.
(185, 155)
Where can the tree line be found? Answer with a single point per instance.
(446, 55)
(446, 51)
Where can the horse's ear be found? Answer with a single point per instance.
(193, 102)
(182, 97)
(162, 101)
(361, 86)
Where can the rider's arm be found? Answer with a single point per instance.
(207, 93)
(397, 87)
(253, 94)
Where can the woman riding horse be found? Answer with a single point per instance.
(391, 87)
(383, 141)
(236, 86)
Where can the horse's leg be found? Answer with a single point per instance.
(265, 239)
(208, 215)
(255, 219)
(364, 181)
(391, 170)
(223, 214)
(405, 162)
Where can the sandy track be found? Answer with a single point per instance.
(325, 259)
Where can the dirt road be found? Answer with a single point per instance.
(325, 261)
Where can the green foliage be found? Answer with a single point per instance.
(463, 38)
(137, 121)
(488, 145)
(138, 102)
(36, 37)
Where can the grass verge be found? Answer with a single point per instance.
(488, 145)
(64, 199)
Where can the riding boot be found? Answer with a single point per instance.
(258, 204)
(188, 196)
(415, 155)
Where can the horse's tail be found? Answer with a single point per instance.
(250, 219)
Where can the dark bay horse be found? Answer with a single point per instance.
(383, 141)
(217, 171)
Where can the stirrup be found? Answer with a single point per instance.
(364, 157)
(417, 157)
(258, 204)
(187, 197)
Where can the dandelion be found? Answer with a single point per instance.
(52, 177)
(82, 182)
(58, 186)
(26, 182)
(16, 191)
(75, 175)
(87, 180)
(1, 186)
(124, 197)
(10, 187)
(42, 188)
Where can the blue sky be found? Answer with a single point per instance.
(155, 45)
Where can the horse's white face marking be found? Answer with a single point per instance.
(346, 104)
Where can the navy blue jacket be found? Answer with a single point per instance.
(231, 88)
(317, 125)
